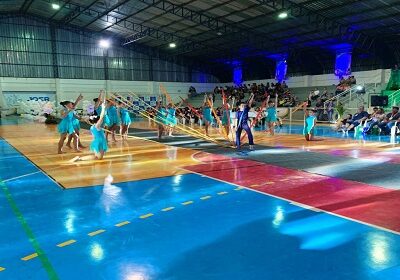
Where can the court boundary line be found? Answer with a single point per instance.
(297, 204)
(35, 165)
(51, 272)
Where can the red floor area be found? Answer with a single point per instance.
(366, 203)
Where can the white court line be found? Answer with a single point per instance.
(297, 204)
(22, 176)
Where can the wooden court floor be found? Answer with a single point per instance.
(135, 159)
(138, 159)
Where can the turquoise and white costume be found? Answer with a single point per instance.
(66, 124)
(171, 119)
(309, 125)
(76, 123)
(271, 115)
(125, 117)
(106, 120)
(226, 117)
(161, 116)
(207, 114)
(113, 115)
(99, 142)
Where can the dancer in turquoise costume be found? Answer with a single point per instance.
(98, 108)
(77, 127)
(309, 123)
(207, 116)
(161, 118)
(99, 143)
(125, 120)
(66, 126)
(171, 119)
(272, 118)
(113, 117)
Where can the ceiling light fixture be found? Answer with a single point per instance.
(104, 43)
(55, 6)
(283, 15)
(172, 45)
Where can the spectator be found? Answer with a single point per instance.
(319, 106)
(357, 119)
(390, 120)
(377, 116)
(192, 90)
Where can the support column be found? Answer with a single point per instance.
(54, 51)
(3, 103)
(58, 91)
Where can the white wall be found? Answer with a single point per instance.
(69, 89)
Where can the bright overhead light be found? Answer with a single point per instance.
(55, 6)
(172, 45)
(219, 33)
(104, 43)
(283, 15)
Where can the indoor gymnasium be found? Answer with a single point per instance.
(200, 139)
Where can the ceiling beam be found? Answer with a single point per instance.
(59, 10)
(317, 20)
(77, 11)
(106, 12)
(341, 17)
(25, 6)
(126, 17)
(273, 12)
(134, 27)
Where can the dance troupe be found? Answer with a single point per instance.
(109, 114)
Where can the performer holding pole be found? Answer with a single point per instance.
(242, 122)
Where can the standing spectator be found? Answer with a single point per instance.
(319, 106)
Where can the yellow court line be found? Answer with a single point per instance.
(122, 224)
(93, 233)
(238, 189)
(205, 197)
(222, 193)
(167, 209)
(66, 243)
(187, 202)
(2, 269)
(29, 257)
(146, 216)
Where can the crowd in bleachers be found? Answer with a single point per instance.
(345, 84)
(323, 102)
(285, 96)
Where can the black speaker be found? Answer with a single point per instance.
(380, 101)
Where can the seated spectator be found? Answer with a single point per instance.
(376, 117)
(389, 121)
(357, 119)
(342, 124)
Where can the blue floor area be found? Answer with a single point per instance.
(229, 234)
(327, 131)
